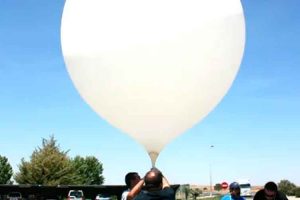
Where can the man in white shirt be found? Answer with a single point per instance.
(132, 179)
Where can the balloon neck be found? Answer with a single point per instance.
(153, 157)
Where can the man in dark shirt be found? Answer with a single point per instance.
(156, 187)
(270, 192)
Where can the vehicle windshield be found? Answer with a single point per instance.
(76, 194)
(247, 185)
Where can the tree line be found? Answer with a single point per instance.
(50, 166)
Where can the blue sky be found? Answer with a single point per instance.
(255, 130)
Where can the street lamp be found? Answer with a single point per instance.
(210, 171)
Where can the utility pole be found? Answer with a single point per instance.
(210, 171)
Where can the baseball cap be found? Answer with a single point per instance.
(234, 185)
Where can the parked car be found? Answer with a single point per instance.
(14, 196)
(102, 197)
(76, 195)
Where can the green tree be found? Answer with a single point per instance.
(287, 187)
(48, 165)
(185, 190)
(6, 171)
(297, 192)
(89, 170)
(195, 193)
(218, 187)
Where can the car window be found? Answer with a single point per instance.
(77, 194)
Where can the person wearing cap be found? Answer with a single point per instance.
(270, 192)
(234, 192)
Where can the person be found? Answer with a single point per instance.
(270, 192)
(132, 179)
(234, 192)
(156, 187)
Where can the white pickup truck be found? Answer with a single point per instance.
(245, 188)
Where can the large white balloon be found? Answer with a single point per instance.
(152, 68)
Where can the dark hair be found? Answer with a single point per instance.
(129, 176)
(153, 179)
(271, 186)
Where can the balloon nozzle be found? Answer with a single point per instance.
(153, 157)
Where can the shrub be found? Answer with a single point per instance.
(297, 191)
(287, 187)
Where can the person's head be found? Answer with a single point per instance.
(270, 190)
(153, 180)
(131, 179)
(234, 189)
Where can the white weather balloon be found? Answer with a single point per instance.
(152, 68)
